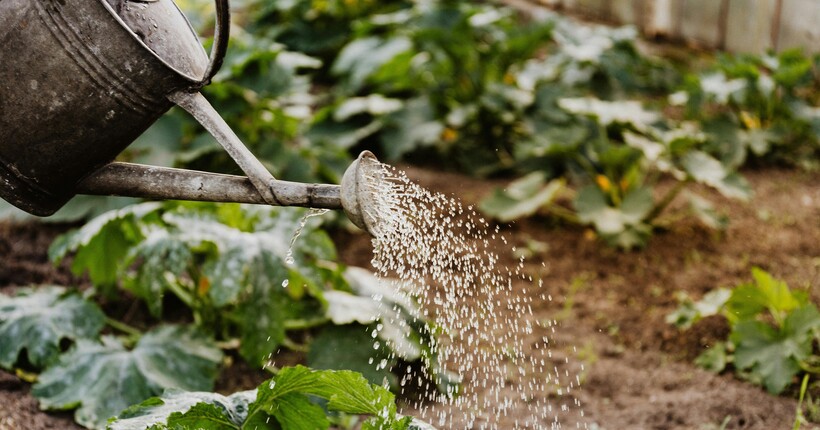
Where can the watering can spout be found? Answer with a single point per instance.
(354, 196)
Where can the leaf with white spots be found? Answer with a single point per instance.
(37, 320)
(103, 378)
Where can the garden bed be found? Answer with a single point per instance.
(611, 305)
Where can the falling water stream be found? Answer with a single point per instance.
(444, 255)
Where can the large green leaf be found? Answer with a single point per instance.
(706, 169)
(363, 57)
(413, 127)
(105, 378)
(346, 391)
(285, 402)
(102, 244)
(619, 112)
(352, 347)
(187, 410)
(592, 207)
(159, 260)
(36, 320)
(521, 198)
(706, 212)
(766, 293)
(773, 355)
(689, 312)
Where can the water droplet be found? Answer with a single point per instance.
(285, 283)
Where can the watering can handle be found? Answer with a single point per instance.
(222, 31)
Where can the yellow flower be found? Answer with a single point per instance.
(509, 78)
(603, 183)
(204, 286)
(449, 135)
(750, 121)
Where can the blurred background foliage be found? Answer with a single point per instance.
(587, 121)
(580, 113)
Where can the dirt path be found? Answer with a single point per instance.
(610, 305)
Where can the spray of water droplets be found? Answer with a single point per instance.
(442, 254)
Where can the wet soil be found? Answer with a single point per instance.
(610, 305)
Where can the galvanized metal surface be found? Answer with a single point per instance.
(77, 86)
(151, 182)
(81, 79)
(360, 192)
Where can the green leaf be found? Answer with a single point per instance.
(636, 205)
(352, 347)
(705, 169)
(522, 198)
(261, 317)
(415, 126)
(36, 320)
(287, 390)
(159, 260)
(350, 392)
(104, 378)
(187, 410)
(772, 354)
(363, 57)
(592, 207)
(690, 312)
(705, 211)
(294, 411)
(606, 113)
(713, 359)
(102, 244)
(766, 293)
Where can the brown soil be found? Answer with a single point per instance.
(611, 305)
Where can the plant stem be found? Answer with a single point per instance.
(123, 327)
(798, 415)
(666, 200)
(564, 214)
(304, 324)
(293, 346)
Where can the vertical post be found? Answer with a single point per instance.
(775, 29)
(723, 19)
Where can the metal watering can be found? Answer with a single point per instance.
(82, 79)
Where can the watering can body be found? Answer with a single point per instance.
(78, 84)
(81, 79)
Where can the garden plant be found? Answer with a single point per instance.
(583, 127)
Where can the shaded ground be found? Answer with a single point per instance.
(610, 305)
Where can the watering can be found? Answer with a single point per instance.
(82, 79)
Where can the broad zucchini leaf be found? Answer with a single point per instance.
(774, 354)
(158, 260)
(706, 169)
(521, 198)
(689, 312)
(187, 410)
(352, 347)
(36, 320)
(624, 226)
(706, 212)
(101, 245)
(766, 293)
(105, 378)
(628, 112)
(363, 57)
